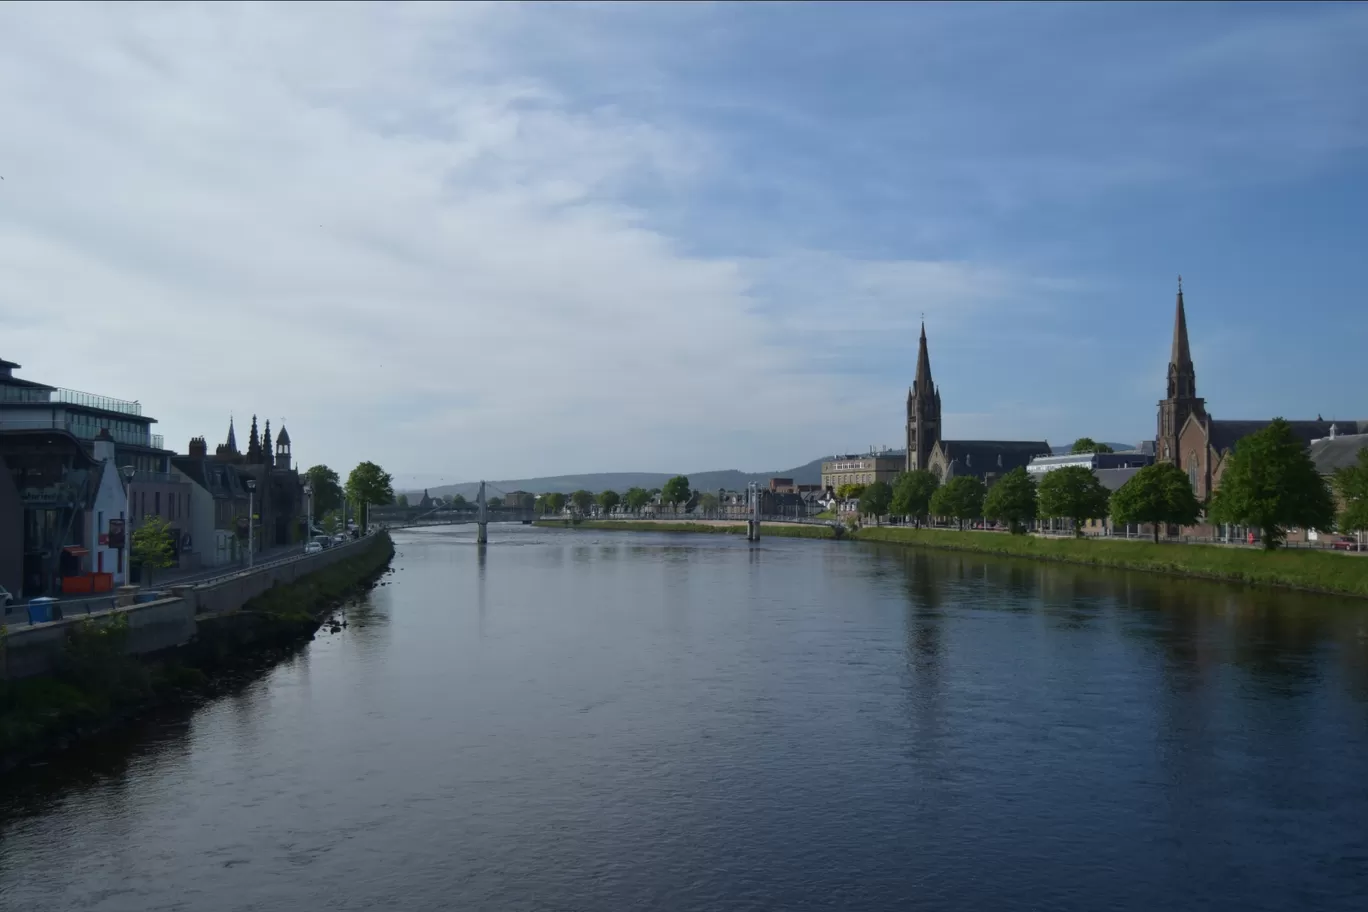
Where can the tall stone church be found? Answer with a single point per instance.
(1190, 438)
(926, 449)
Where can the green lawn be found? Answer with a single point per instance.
(1320, 571)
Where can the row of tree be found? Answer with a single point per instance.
(1271, 484)
(676, 492)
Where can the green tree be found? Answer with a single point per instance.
(402, 500)
(369, 484)
(1088, 445)
(960, 498)
(582, 500)
(331, 523)
(608, 501)
(874, 500)
(327, 489)
(493, 503)
(1073, 493)
(850, 491)
(1352, 485)
(637, 498)
(553, 503)
(1012, 500)
(457, 501)
(912, 492)
(1271, 484)
(1159, 494)
(154, 546)
(676, 491)
(708, 503)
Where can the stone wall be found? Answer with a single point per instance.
(171, 621)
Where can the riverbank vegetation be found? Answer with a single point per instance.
(1317, 571)
(97, 685)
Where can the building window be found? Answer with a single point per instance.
(156, 502)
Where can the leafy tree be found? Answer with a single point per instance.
(708, 503)
(676, 491)
(1088, 445)
(1272, 484)
(960, 498)
(493, 503)
(1012, 500)
(154, 546)
(1073, 493)
(850, 491)
(608, 500)
(331, 523)
(582, 500)
(553, 503)
(912, 492)
(402, 500)
(327, 489)
(369, 484)
(1352, 485)
(457, 501)
(874, 500)
(1159, 494)
(637, 498)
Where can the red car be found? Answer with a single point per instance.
(1344, 543)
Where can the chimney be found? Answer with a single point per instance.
(104, 446)
(199, 448)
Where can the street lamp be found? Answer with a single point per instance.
(251, 520)
(125, 551)
(308, 515)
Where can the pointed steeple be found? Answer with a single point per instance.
(267, 455)
(922, 385)
(1181, 356)
(231, 443)
(254, 444)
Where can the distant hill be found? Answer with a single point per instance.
(731, 479)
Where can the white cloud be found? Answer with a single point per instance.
(367, 220)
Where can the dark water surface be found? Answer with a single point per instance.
(618, 721)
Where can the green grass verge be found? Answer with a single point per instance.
(1317, 571)
(775, 530)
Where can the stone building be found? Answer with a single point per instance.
(1187, 435)
(926, 449)
(863, 469)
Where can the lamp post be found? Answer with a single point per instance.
(125, 549)
(308, 515)
(251, 521)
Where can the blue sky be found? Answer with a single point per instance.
(580, 237)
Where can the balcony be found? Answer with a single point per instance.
(90, 400)
(83, 430)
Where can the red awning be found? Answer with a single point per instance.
(76, 550)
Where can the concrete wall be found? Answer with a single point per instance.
(168, 622)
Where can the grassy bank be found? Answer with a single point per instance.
(776, 530)
(1316, 571)
(97, 686)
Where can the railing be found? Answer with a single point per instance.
(90, 400)
(79, 429)
(158, 442)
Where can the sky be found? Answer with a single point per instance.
(506, 240)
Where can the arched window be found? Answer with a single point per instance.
(1192, 468)
(1166, 451)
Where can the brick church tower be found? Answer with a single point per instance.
(1182, 399)
(923, 411)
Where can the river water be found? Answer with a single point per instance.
(573, 720)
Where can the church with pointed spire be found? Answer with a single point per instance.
(1186, 434)
(928, 450)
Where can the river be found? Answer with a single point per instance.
(575, 720)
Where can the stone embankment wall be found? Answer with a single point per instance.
(173, 620)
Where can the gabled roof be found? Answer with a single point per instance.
(1223, 435)
(1330, 455)
(980, 457)
(1113, 479)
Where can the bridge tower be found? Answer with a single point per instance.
(753, 524)
(482, 518)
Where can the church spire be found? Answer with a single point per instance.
(231, 442)
(1181, 356)
(922, 384)
(254, 444)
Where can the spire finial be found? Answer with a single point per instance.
(1180, 283)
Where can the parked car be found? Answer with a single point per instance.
(312, 548)
(1344, 543)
